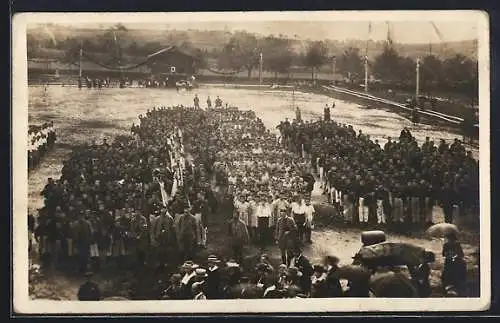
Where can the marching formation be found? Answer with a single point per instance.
(148, 199)
(398, 183)
(41, 138)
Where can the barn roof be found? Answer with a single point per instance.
(172, 49)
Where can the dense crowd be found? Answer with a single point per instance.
(119, 200)
(41, 138)
(264, 180)
(148, 197)
(397, 183)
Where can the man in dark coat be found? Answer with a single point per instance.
(333, 287)
(213, 281)
(89, 291)
(238, 233)
(286, 236)
(186, 234)
(303, 264)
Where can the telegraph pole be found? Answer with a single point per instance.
(334, 67)
(80, 67)
(260, 68)
(366, 73)
(417, 83)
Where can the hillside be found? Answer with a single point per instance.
(212, 41)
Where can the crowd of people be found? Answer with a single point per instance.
(149, 196)
(41, 139)
(398, 183)
(120, 200)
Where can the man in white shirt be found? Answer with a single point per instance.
(252, 216)
(298, 214)
(309, 213)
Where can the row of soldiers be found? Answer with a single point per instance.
(41, 138)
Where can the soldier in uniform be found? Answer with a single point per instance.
(286, 236)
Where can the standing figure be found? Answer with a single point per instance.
(286, 236)
(238, 233)
(186, 234)
(309, 225)
(196, 101)
(455, 270)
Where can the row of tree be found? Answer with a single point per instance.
(243, 50)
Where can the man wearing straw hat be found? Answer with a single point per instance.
(189, 269)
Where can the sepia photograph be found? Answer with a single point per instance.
(251, 162)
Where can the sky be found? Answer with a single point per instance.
(402, 32)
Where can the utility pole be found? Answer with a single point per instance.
(260, 68)
(417, 84)
(334, 68)
(366, 73)
(80, 64)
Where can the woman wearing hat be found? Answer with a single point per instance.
(454, 271)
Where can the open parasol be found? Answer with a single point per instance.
(391, 284)
(391, 254)
(442, 229)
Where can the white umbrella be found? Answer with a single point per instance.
(442, 229)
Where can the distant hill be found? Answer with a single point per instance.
(214, 40)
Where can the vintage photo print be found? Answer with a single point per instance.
(251, 162)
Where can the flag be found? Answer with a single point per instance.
(164, 195)
(389, 36)
(50, 34)
(436, 30)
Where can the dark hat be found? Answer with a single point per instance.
(262, 267)
(332, 260)
(319, 268)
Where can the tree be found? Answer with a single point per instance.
(316, 56)
(405, 72)
(458, 69)
(386, 63)
(431, 72)
(241, 52)
(350, 63)
(277, 54)
(461, 73)
(32, 45)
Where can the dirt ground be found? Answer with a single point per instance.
(85, 116)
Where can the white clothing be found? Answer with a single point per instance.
(363, 210)
(380, 212)
(309, 212)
